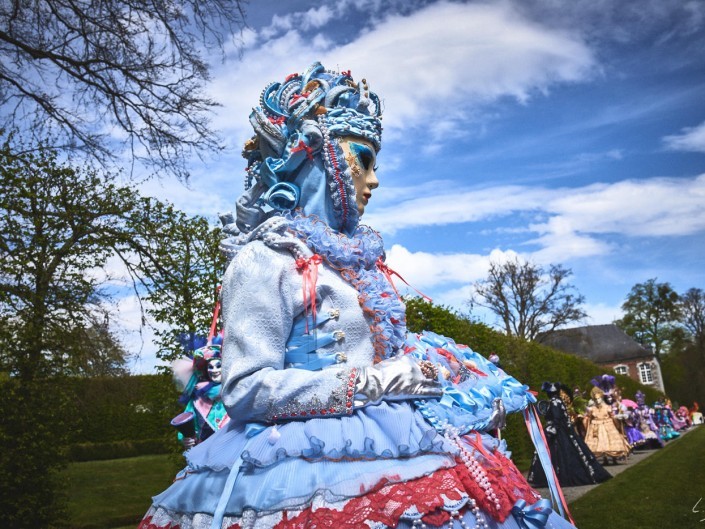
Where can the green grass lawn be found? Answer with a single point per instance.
(116, 493)
(658, 492)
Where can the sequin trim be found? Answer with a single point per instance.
(339, 402)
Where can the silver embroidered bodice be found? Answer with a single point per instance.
(262, 296)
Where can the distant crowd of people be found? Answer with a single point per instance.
(583, 434)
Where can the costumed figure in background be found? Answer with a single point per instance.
(578, 411)
(678, 422)
(643, 420)
(200, 376)
(683, 415)
(696, 415)
(603, 436)
(623, 415)
(338, 417)
(662, 418)
(572, 460)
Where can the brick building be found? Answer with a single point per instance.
(611, 347)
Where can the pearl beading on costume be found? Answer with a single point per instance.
(450, 433)
(476, 470)
(475, 510)
(457, 516)
(336, 184)
(287, 93)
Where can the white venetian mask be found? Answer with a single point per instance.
(215, 370)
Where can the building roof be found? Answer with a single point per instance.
(598, 343)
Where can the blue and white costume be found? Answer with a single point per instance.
(338, 417)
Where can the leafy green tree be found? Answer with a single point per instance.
(684, 374)
(529, 300)
(692, 306)
(651, 315)
(58, 226)
(183, 273)
(96, 350)
(684, 366)
(74, 70)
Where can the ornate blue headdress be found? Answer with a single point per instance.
(294, 159)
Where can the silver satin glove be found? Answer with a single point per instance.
(399, 378)
(498, 419)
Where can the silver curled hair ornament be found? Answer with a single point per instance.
(294, 159)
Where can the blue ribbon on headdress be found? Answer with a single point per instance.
(532, 516)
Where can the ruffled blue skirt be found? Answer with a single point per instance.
(284, 468)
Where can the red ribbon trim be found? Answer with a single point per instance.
(216, 311)
(303, 147)
(309, 272)
(388, 273)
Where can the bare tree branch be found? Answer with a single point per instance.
(530, 301)
(79, 68)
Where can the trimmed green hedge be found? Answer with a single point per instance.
(129, 408)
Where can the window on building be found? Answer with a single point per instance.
(621, 370)
(645, 374)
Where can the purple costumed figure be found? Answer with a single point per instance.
(643, 420)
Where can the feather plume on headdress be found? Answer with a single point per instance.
(605, 382)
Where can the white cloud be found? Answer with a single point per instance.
(488, 51)
(579, 163)
(312, 19)
(642, 208)
(563, 244)
(690, 139)
(208, 193)
(575, 217)
(456, 206)
(448, 279)
(427, 270)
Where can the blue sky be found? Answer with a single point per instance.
(565, 132)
